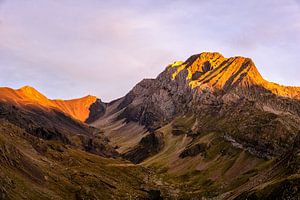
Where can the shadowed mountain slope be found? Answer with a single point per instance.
(52, 120)
(207, 128)
(35, 168)
(208, 123)
(45, 153)
(225, 95)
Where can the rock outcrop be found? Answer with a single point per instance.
(225, 95)
(207, 128)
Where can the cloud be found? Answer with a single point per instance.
(70, 48)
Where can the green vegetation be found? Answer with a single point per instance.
(37, 169)
(288, 188)
(221, 170)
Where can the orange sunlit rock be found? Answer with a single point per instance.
(76, 108)
(214, 71)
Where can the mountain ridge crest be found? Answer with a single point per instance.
(78, 108)
(211, 70)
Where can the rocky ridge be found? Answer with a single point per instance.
(76, 108)
(225, 95)
(213, 125)
(207, 128)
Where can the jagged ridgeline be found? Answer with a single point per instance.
(47, 152)
(207, 128)
(210, 126)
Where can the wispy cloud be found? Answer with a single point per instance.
(70, 48)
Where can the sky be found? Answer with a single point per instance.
(71, 48)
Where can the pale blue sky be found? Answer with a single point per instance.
(70, 48)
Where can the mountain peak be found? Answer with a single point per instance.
(77, 108)
(30, 93)
(28, 89)
(211, 55)
(212, 69)
(90, 97)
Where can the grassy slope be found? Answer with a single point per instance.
(32, 168)
(221, 171)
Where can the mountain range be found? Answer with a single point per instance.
(207, 128)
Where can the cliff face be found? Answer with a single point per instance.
(227, 95)
(212, 127)
(208, 128)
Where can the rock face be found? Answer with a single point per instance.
(97, 110)
(193, 150)
(148, 146)
(207, 128)
(224, 131)
(225, 95)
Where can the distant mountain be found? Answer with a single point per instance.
(207, 128)
(210, 116)
(47, 152)
(52, 119)
(77, 108)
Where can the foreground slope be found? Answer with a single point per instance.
(212, 127)
(34, 168)
(46, 153)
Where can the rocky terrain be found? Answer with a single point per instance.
(209, 122)
(221, 95)
(207, 128)
(46, 153)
